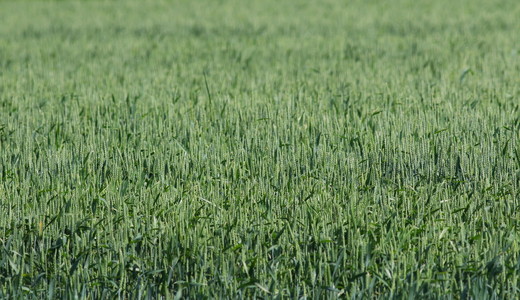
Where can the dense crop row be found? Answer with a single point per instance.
(258, 149)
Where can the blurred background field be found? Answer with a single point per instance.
(259, 149)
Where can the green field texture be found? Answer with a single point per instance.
(260, 149)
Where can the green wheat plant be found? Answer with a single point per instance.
(259, 149)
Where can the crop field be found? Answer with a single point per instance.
(260, 149)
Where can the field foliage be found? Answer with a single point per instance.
(268, 149)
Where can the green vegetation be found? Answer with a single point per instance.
(239, 149)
